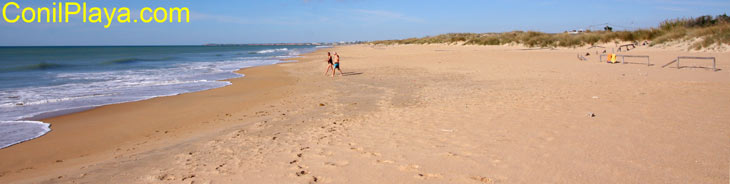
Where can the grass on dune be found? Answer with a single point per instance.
(710, 30)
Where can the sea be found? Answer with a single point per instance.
(42, 82)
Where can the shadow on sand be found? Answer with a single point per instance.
(351, 73)
(635, 63)
(698, 67)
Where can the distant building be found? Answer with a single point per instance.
(579, 31)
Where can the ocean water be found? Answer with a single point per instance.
(39, 82)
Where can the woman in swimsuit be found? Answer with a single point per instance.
(329, 64)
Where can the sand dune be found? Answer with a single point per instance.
(441, 114)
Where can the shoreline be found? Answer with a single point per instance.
(43, 116)
(77, 126)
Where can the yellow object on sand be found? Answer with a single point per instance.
(611, 58)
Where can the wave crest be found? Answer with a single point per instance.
(269, 51)
(134, 60)
(38, 66)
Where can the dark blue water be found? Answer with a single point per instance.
(37, 81)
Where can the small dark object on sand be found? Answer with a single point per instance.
(301, 173)
(321, 104)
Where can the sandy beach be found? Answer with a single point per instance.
(410, 114)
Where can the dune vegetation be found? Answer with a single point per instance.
(703, 31)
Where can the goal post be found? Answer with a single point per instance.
(714, 61)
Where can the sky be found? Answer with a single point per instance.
(303, 21)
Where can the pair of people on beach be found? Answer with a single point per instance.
(333, 65)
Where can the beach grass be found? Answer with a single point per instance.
(708, 31)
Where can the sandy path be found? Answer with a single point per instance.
(459, 114)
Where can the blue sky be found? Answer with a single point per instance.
(273, 21)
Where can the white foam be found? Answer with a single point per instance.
(271, 50)
(14, 132)
(109, 87)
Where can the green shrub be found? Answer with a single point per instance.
(712, 30)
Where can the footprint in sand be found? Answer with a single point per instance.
(166, 177)
(337, 164)
(189, 176)
(412, 167)
(363, 152)
(373, 153)
(222, 169)
(238, 133)
(452, 154)
(358, 149)
(301, 173)
(263, 124)
(428, 176)
(325, 153)
(482, 179)
(262, 113)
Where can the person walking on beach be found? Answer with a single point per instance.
(337, 65)
(329, 64)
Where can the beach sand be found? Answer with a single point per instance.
(409, 114)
